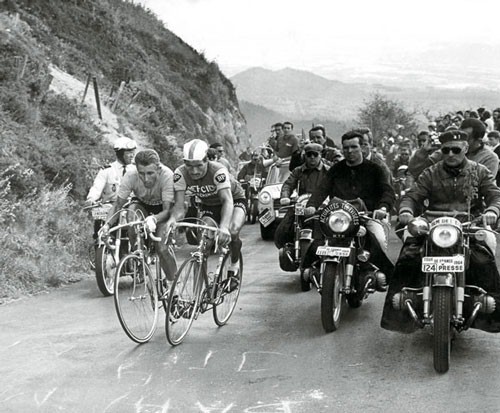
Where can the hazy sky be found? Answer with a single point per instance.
(316, 33)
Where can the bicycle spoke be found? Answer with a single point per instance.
(182, 302)
(228, 290)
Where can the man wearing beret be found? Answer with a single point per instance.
(305, 179)
(453, 184)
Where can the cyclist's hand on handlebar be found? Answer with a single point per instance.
(88, 203)
(380, 213)
(150, 223)
(489, 218)
(285, 201)
(309, 211)
(405, 217)
(224, 237)
(104, 231)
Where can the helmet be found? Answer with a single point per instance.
(195, 150)
(124, 143)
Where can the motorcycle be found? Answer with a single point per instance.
(343, 271)
(252, 188)
(444, 301)
(291, 257)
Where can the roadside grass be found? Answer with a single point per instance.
(43, 241)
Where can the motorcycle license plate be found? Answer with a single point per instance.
(443, 264)
(333, 251)
(299, 209)
(100, 213)
(266, 217)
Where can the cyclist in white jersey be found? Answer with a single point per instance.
(222, 198)
(153, 188)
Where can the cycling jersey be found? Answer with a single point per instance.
(107, 181)
(208, 187)
(162, 191)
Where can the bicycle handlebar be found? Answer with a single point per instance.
(199, 226)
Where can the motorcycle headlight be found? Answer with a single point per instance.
(445, 236)
(265, 197)
(418, 226)
(339, 221)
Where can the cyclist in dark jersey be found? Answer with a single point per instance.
(222, 198)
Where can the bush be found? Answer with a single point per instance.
(44, 242)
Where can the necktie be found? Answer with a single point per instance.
(124, 169)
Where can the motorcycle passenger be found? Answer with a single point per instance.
(453, 184)
(306, 178)
(107, 180)
(222, 198)
(153, 187)
(356, 177)
(329, 154)
(371, 154)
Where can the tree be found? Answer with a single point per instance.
(381, 114)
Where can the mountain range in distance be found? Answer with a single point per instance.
(302, 95)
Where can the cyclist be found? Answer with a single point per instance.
(153, 188)
(107, 180)
(222, 198)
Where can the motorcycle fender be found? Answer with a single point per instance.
(443, 280)
(306, 235)
(332, 259)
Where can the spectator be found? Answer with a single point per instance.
(220, 158)
(494, 142)
(477, 152)
(246, 155)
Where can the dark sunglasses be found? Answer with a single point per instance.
(447, 150)
(311, 154)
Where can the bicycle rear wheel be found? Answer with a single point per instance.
(183, 301)
(228, 291)
(136, 300)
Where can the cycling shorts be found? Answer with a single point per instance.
(214, 211)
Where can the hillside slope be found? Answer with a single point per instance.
(170, 89)
(52, 143)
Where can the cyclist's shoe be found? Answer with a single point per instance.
(164, 295)
(233, 278)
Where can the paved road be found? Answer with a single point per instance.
(65, 351)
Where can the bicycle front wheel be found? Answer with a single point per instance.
(136, 301)
(183, 301)
(228, 290)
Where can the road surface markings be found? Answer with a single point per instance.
(207, 357)
(11, 397)
(283, 406)
(204, 409)
(115, 401)
(50, 393)
(122, 367)
(244, 359)
(148, 379)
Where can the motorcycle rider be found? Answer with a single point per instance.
(107, 180)
(356, 177)
(453, 184)
(257, 165)
(306, 179)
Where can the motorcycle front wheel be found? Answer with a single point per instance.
(331, 297)
(105, 267)
(442, 308)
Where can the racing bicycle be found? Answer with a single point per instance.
(196, 289)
